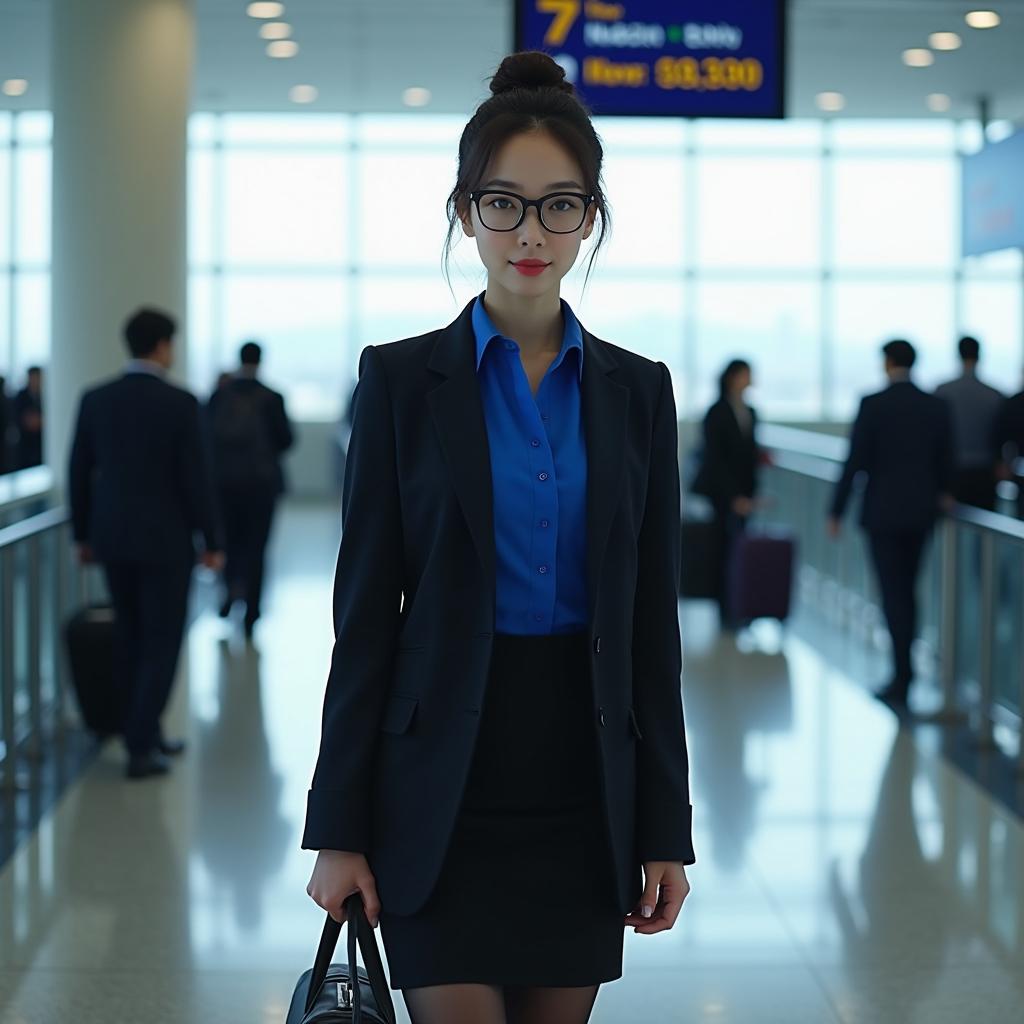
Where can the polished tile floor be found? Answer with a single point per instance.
(845, 873)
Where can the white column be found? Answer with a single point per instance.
(122, 72)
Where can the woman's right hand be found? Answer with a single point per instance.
(336, 875)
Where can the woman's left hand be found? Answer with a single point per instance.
(670, 877)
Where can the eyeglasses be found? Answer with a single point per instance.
(561, 213)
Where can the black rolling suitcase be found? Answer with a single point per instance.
(344, 993)
(89, 635)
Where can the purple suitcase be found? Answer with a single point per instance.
(760, 579)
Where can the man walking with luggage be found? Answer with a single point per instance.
(902, 443)
(251, 432)
(140, 492)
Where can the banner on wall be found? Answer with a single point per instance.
(993, 198)
(664, 58)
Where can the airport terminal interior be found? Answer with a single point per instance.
(792, 187)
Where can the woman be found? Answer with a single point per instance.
(728, 474)
(503, 744)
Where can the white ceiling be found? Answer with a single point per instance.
(361, 54)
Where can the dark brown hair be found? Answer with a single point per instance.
(529, 93)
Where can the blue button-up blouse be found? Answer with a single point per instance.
(539, 477)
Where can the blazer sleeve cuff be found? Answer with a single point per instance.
(669, 840)
(333, 822)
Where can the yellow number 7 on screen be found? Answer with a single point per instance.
(566, 12)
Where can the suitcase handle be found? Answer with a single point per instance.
(359, 932)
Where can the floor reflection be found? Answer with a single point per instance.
(242, 835)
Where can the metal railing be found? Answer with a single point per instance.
(972, 587)
(39, 584)
(23, 493)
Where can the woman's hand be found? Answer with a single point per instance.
(336, 875)
(743, 506)
(653, 914)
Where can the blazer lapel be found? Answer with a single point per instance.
(459, 417)
(605, 405)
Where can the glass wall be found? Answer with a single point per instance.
(801, 245)
(24, 243)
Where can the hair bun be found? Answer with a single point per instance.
(530, 69)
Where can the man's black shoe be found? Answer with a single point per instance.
(171, 748)
(142, 766)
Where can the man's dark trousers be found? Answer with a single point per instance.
(248, 516)
(151, 605)
(897, 557)
(976, 487)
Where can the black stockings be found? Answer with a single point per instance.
(485, 1004)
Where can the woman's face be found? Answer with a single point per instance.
(741, 380)
(532, 165)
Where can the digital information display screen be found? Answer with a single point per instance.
(664, 58)
(993, 198)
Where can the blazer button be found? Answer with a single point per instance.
(597, 645)
(600, 716)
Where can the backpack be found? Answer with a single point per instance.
(243, 451)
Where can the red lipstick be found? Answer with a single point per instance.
(531, 268)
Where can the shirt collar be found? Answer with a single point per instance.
(486, 332)
(145, 366)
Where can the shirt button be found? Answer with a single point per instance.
(535, 443)
(539, 618)
(544, 523)
(542, 476)
(542, 569)
(510, 345)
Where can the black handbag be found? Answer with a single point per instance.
(344, 993)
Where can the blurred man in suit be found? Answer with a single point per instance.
(902, 443)
(5, 426)
(140, 493)
(28, 418)
(974, 407)
(250, 432)
(1009, 439)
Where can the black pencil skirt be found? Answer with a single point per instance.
(526, 896)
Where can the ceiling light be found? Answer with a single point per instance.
(275, 30)
(945, 41)
(416, 97)
(939, 102)
(830, 101)
(982, 19)
(265, 10)
(918, 58)
(15, 87)
(303, 93)
(282, 48)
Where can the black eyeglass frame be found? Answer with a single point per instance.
(475, 196)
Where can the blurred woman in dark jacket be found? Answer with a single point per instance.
(728, 472)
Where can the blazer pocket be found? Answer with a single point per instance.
(399, 714)
(634, 725)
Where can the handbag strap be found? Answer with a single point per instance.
(359, 932)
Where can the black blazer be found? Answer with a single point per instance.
(728, 466)
(30, 442)
(277, 429)
(139, 476)
(903, 441)
(414, 612)
(1009, 425)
